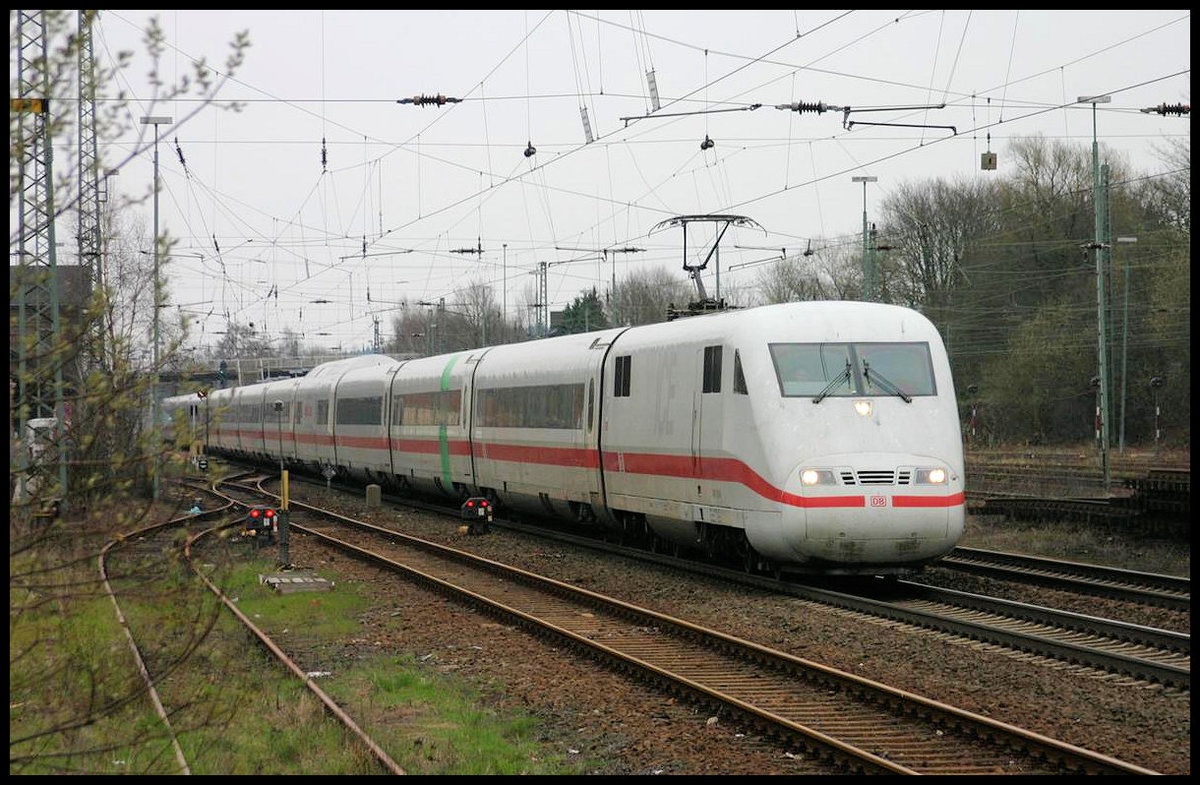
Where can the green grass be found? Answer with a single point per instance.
(234, 709)
(429, 723)
(437, 726)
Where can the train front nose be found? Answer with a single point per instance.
(877, 509)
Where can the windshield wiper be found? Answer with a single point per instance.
(884, 384)
(844, 376)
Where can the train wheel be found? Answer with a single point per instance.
(749, 559)
(749, 556)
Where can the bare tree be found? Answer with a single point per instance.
(827, 273)
(58, 687)
(930, 227)
(1168, 196)
(642, 297)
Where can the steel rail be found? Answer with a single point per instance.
(135, 650)
(1004, 630)
(874, 693)
(1165, 591)
(330, 704)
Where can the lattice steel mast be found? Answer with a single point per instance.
(39, 345)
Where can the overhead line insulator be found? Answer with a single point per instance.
(429, 100)
(805, 106)
(1166, 109)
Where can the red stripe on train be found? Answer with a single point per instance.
(953, 500)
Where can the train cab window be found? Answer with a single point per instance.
(820, 369)
(903, 366)
(807, 369)
(739, 378)
(621, 377)
(712, 369)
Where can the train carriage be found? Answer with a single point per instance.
(359, 420)
(427, 425)
(314, 401)
(534, 424)
(279, 437)
(220, 432)
(679, 441)
(247, 406)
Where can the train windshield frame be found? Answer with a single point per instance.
(805, 370)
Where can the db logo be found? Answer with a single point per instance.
(879, 501)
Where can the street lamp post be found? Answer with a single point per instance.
(155, 121)
(868, 262)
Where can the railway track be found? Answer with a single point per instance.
(854, 722)
(153, 543)
(1103, 646)
(1164, 591)
(1146, 654)
(133, 558)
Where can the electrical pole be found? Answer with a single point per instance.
(1125, 342)
(39, 352)
(89, 163)
(154, 404)
(868, 260)
(1098, 246)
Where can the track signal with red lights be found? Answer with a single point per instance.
(477, 512)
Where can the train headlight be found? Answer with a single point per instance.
(863, 408)
(931, 476)
(816, 477)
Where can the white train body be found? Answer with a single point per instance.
(818, 437)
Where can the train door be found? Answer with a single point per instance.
(707, 414)
(388, 414)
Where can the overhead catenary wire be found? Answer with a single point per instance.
(331, 230)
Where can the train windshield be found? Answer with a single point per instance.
(813, 369)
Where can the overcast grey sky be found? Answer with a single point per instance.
(414, 184)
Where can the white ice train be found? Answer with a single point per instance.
(810, 437)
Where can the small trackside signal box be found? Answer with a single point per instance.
(261, 524)
(477, 513)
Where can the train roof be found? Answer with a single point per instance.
(362, 361)
(818, 320)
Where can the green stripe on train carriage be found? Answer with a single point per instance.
(443, 441)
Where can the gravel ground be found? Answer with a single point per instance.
(625, 729)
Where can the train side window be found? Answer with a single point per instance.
(360, 411)
(712, 369)
(323, 412)
(624, 368)
(739, 378)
